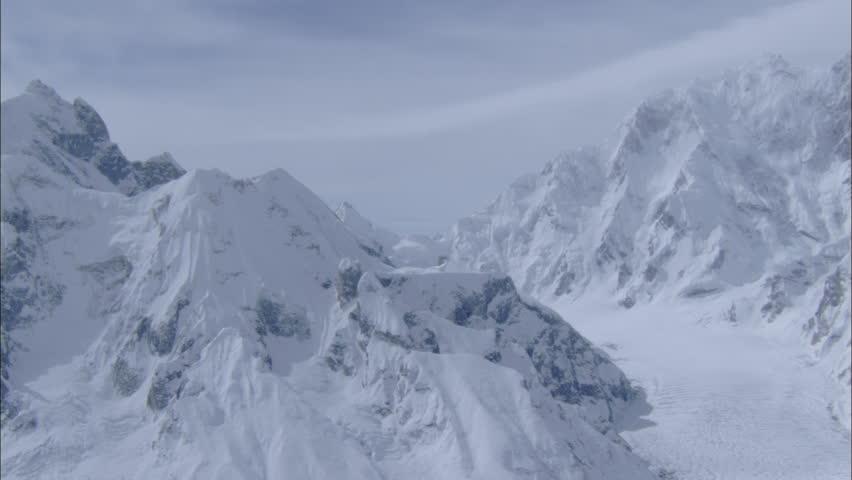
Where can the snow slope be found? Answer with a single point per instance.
(162, 324)
(735, 187)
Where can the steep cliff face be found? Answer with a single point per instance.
(735, 186)
(159, 323)
(483, 315)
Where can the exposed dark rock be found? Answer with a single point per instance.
(498, 286)
(718, 261)
(125, 379)
(187, 345)
(428, 342)
(393, 339)
(364, 325)
(25, 296)
(112, 164)
(143, 328)
(557, 353)
(410, 319)
(156, 171)
(18, 218)
(91, 122)
(650, 273)
(566, 281)
(624, 274)
(346, 283)
(336, 359)
(276, 319)
(110, 272)
(81, 146)
(501, 312)
(699, 292)
(545, 314)
(16, 260)
(468, 306)
(478, 304)
(8, 346)
(162, 340)
(377, 253)
(39, 294)
(164, 387)
(834, 292)
(49, 157)
(777, 301)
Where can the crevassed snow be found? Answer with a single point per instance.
(728, 401)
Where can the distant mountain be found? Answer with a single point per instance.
(398, 250)
(158, 323)
(738, 185)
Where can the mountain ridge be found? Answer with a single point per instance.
(210, 327)
(737, 185)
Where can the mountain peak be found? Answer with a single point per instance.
(734, 185)
(39, 88)
(72, 140)
(774, 61)
(90, 121)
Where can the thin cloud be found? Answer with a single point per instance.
(803, 30)
(391, 96)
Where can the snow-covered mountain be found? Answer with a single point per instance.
(399, 250)
(734, 188)
(167, 324)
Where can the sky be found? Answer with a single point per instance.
(418, 113)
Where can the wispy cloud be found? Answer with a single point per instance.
(806, 31)
(389, 86)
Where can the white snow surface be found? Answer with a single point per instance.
(214, 328)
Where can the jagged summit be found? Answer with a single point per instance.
(686, 161)
(734, 185)
(39, 88)
(73, 140)
(192, 325)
